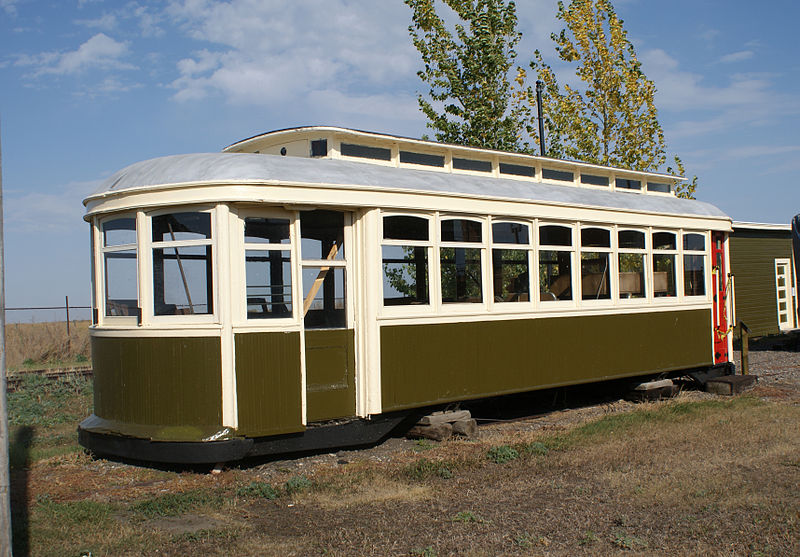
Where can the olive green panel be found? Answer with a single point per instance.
(428, 364)
(753, 255)
(268, 383)
(330, 374)
(164, 388)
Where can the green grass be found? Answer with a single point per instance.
(39, 401)
(424, 468)
(176, 504)
(502, 454)
(257, 489)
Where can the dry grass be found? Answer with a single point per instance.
(46, 345)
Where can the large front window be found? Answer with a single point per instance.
(182, 264)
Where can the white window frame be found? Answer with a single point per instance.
(705, 253)
(239, 312)
(100, 267)
(462, 307)
(521, 305)
(434, 290)
(147, 301)
(571, 249)
(678, 266)
(646, 276)
(613, 292)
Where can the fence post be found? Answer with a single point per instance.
(66, 305)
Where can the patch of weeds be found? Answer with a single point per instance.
(42, 401)
(297, 484)
(207, 535)
(74, 513)
(588, 538)
(425, 468)
(467, 516)
(424, 552)
(624, 541)
(175, 504)
(81, 358)
(537, 448)
(523, 540)
(28, 362)
(258, 489)
(502, 454)
(423, 445)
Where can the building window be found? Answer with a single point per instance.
(120, 269)
(555, 263)
(632, 257)
(694, 264)
(510, 262)
(405, 260)
(268, 267)
(664, 254)
(460, 257)
(595, 264)
(182, 264)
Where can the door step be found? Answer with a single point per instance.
(653, 390)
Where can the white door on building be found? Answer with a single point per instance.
(785, 294)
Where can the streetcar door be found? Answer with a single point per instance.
(720, 292)
(327, 315)
(783, 289)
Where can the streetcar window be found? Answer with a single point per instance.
(628, 184)
(509, 233)
(517, 170)
(596, 238)
(658, 187)
(632, 257)
(555, 236)
(322, 235)
(182, 274)
(268, 268)
(405, 228)
(664, 240)
(461, 267)
(664, 270)
(471, 164)
(694, 265)
(120, 267)
(631, 239)
(560, 175)
(405, 260)
(555, 275)
(594, 180)
(366, 152)
(595, 264)
(694, 242)
(424, 159)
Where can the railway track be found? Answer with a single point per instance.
(14, 380)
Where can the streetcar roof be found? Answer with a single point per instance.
(260, 169)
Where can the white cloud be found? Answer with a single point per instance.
(106, 22)
(260, 54)
(9, 6)
(56, 212)
(100, 51)
(737, 56)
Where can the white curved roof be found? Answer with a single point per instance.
(246, 168)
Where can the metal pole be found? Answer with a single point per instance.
(5, 484)
(539, 87)
(66, 305)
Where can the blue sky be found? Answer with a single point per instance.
(90, 86)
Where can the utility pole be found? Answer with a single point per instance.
(5, 483)
(539, 87)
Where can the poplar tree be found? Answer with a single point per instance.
(469, 100)
(614, 120)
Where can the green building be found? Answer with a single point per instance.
(765, 294)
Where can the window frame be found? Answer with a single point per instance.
(705, 253)
(677, 266)
(146, 241)
(644, 252)
(239, 299)
(100, 274)
(433, 271)
(571, 249)
(482, 246)
(525, 305)
(610, 251)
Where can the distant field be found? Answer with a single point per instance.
(46, 345)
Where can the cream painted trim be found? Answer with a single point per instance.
(321, 195)
(165, 332)
(223, 217)
(510, 316)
